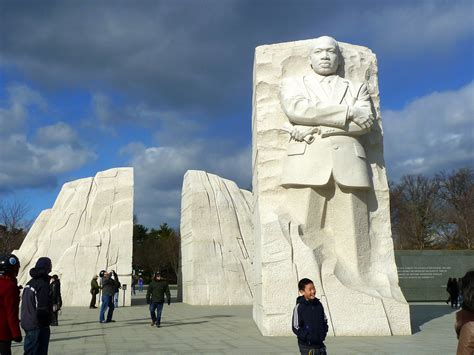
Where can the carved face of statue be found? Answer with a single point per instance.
(325, 56)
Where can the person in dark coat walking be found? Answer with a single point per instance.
(309, 320)
(95, 289)
(37, 309)
(56, 298)
(448, 289)
(109, 285)
(134, 285)
(155, 297)
(9, 303)
(454, 294)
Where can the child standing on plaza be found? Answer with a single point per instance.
(309, 321)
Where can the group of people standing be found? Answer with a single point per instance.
(454, 289)
(105, 276)
(41, 303)
(110, 286)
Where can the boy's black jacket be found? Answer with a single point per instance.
(309, 322)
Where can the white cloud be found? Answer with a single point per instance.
(20, 99)
(159, 172)
(419, 26)
(55, 149)
(56, 134)
(432, 133)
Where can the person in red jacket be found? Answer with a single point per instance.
(9, 303)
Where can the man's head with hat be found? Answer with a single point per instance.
(44, 264)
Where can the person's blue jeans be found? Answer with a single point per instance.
(107, 302)
(37, 341)
(158, 307)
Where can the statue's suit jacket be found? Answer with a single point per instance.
(336, 149)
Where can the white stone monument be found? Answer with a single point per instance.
(321, 194)
(216, 241)
(89, 228)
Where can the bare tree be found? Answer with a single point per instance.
(413, 211)
(13, 224)
(457, 195)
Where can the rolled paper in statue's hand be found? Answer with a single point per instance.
(308, 138)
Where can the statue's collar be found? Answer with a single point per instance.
(322, 78)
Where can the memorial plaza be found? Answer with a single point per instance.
(189, 329)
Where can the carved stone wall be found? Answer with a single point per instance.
(89, 228)
(281, 259)
(216, 241)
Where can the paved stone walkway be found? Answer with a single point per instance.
(230, 330)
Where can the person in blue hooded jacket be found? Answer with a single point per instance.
(37, 309)
(309, 320)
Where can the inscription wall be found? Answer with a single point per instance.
(423, 274)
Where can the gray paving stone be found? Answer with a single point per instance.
(229, 330)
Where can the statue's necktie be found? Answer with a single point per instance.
(326, 84)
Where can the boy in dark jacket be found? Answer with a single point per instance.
(155, 297)
(309, 321)
(9, 303)
(37, 309)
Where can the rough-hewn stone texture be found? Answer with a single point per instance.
(216, 241)
(89, 228)
(373, 306)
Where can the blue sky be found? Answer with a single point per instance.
(166, 86)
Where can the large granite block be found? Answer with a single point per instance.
(89, 228)
(216, 241)
(321, 198)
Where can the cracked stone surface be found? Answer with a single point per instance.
(374, 307)
(89, 228)
(216, 241)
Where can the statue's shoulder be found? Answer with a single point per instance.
(292, 84)
(291, 80)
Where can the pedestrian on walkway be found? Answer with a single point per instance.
(465, 317)
(134, 284)
(9, 303)
(155, 297)
(37, 308)
(118, 286)
(108, 290)
(454, 293)
(309, 320)
(140, 284)
(95, 289)
(449, 286)
(55, 289)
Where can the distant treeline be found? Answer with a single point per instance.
(433, 212)
(156, 250)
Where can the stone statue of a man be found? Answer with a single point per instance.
(325, 171)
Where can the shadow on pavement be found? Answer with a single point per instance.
(423, 313)
(71, 338)
(141, 301)
(173, 324)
